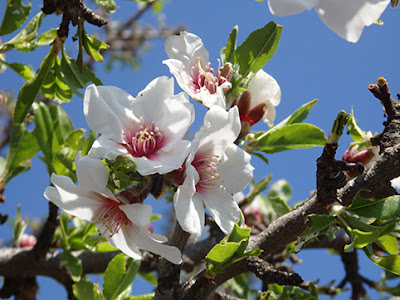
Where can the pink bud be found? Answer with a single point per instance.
(27, 241)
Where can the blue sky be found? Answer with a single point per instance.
(311, 62)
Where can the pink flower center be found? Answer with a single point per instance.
(206, 78)
(110, 215)
(206, 167)
(144, 140)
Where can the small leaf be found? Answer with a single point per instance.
(73, 265)
(231, 46)
(14, 16)
(389, 244)
(390, 263)
(27, 149)
(383, 209)
(258, 48)
(109, 5)
(297, 117)
(293, 136)
(280, 207)
(93, 46)
(280, 189)
(88, 143)
(119, 276)
(25, 71)
(25, 40)
(86, 290)
(31, 88)
(355, 132)
(55, 86)
(77, 79)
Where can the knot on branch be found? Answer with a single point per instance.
(391, 134)
(74, 11)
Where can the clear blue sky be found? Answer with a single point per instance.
(311, 62)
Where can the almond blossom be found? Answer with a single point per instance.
(215, 169)
(189, 63)
(259, 101)
(123, 224)
(345, 17)
(149, 127)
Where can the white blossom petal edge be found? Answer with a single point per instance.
(124, 225)
(141, 126)
(345, 17)
(264, 89)
(215, 169)
(189, 63)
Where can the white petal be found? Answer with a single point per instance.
(143, 241)
(236, 170)
(181, 73)
(223, 208)
(290, 7)
(208, 99)
(395, 183)
(108, 110)
(163, 162)
(138, 213)
(186, 47)
(174, 128)
(65, 195)
(104, 147)
(122, 240)
(269, 115)
(148, 101)
(348, 18)
(189, 208)
(263, 88)
(91, 172)
(220, 129)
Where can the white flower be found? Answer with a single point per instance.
(395, 183)
(149, 127)
(215, 170)
(190, 65)
(345, 17)
(265, 94)
(124, 225)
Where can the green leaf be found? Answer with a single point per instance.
(239, 285)
(297, 117)
(64, 220)
(229, 251)
(86, 290)
(77, 79)
(320, 224)
(355, 132)
(55, 86)
(93, 46)
(25, 40)
(390, 263)
(293, 136)
(44, 131)
(73, 265)
(389, 244)
(14, 16)
(17, 133)
(19, 227)
(27, 149)
(386, 208)
(258, 48)
(141, 297)
(31, 88)
(231, 46)
(119, 276)
(25, 71)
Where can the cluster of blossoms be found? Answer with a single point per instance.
(345, 17)
(151, 127)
